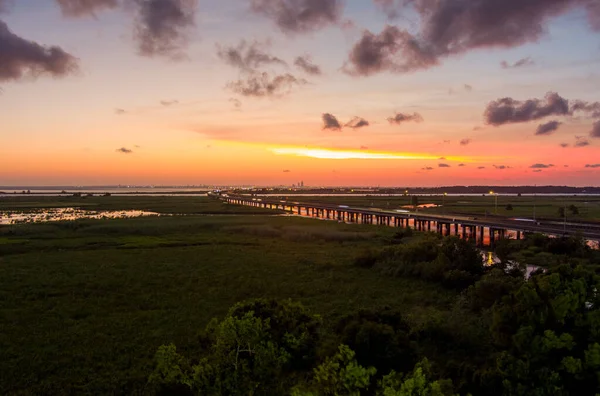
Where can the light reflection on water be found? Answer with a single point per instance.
(490, 259)
(66, 214)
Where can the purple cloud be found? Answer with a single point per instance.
(20, 58)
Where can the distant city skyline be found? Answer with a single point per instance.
(283, 92)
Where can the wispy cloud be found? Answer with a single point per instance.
(261, 85)
(299, 16)
(400, 118)
(542, 166)
(357, 122)
(124, 150)
(247, 56)
(581, 141)
(305, 64)
(520, 63)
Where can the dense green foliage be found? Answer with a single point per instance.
(302, 307)
(541, 337)
(504, 335)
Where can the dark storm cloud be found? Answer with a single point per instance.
(124, 150)
(592, 165)
(547, 128)
(120, 111)
(443, 166)
(451, 27)
(162, 25)
(299, 16)
(541, 166)
(247, 56)
(581, 141)
(331, 122)
(78, 8)
(508, 110)
(168, 103)
(520, 63)
(357, 122)
(262, 85)
(595, 133)
(305, 64)
(400, 118)
(465, 142)
(20, 58)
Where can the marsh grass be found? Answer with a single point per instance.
(85, 304)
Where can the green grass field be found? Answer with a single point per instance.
(85, 304)
(545, 207)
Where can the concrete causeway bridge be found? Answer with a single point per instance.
(483, 231)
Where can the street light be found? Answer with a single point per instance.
(496, 204)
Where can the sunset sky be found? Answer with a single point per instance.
(331, 92)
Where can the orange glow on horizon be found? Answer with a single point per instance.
(338, 154)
